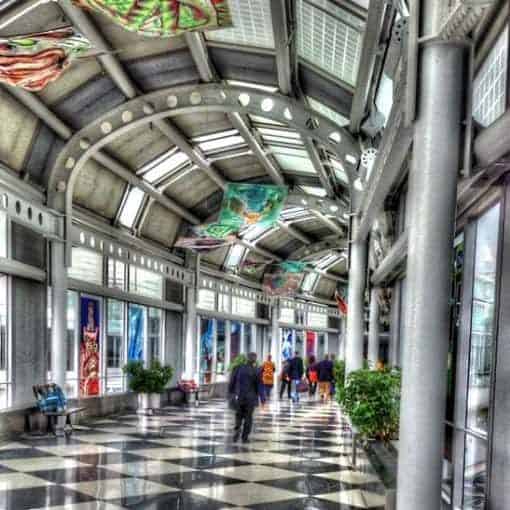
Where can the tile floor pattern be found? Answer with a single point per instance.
(298, 459)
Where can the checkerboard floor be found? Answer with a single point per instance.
(184, 458)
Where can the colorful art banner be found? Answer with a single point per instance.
(200, 239)
(341, 303)
(136, 319)
(34, 60)
(249, 204)
(311, 340)
(284, 278)
(163, 18)
(90, 322)
(286, 344)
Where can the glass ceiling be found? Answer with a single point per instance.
(328, 112)
(131, 206)
(163, 166)
(330, 38)
(252, 25)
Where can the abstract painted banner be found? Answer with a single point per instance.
(205, 238)
(283, 278)
(34, 60)
(89, 346)
(163, 18)
(311, 341)
(136, 317)
(286, 344)
(251, 204)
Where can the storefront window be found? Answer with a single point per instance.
(145, 283)
(116, 274)
(87, 265)
(299, 342)
(235, 340)
(287, 315)
(242, 306)
(114, 346)
(3, 234)
(248, 338)
(71, 386)
(206, 299)
(155, 325)
(220, 347)
(4, 346)
(206, 349)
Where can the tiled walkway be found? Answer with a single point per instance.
(298, 459)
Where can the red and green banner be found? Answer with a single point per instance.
(163, 18)
(341, 303)
(284, 278)
(32, 61)
(89, 346)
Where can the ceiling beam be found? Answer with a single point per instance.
(393, 261)
(34, 104)
(112, 66)
(369, 55)
(17, 11)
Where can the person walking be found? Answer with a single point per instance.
(268, 370)
(285, 380)
(312, 376)
(325, 373)
(244, 396)
(296, 371)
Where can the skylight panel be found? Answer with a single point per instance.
(252, 25)
(163, 166)
(328, 112)
(293, 160)
(309, 282)
(384, 97)
(254, 232)
(131, 207)
(221, 140)
(251, 85)
(328, 260)
(257, 119)
(284, 133)
(314, 190)
(330, 38)
(285, 141)
(339, 170)
(235, 255)
(293, 213)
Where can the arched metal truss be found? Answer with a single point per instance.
(171, 102)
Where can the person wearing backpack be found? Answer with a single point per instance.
(312, 375)
(267, 375)
(325, 372)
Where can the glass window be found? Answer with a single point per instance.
(206, 299)
(235, 339)
(3, 234)
(145, 283)
(220, 347)
(4, 344)
(384, 97)
(154, 326)
(293, 160)
(164, 166)
(116, 274)
(243, 306)
(252, 25)
(489, 86)
(87, 265)
(329, 113)
(131, 206)
(206, 349)
(314, 190)
(71, 386)
(309, 282)
(475, 473)
(49, 315)
(224, 303)
(287, 315)
(330, 38)
(114, 346)
(248, 337)
(317, 320)
(221, 140)
(299, 341)
(136, 332)
(234, 256)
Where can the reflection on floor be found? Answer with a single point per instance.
(298, 458)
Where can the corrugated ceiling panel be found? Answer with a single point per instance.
(325, 288)
(192, 189)
(241, 168)
(161, 225)
(98, 190)
(276, 240)
(198, 124)
(216, 257)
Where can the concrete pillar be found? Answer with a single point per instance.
(191, 334)
(58, 313)
(373, 328)
(433, 183)
(395, 329)
(228, 334)
(355, 303)
(275, 337)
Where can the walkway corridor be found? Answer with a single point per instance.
(297, 459)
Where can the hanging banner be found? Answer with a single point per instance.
(287, 344)
(163, 18)
(205, 238)
(284, 278)
(89, 346)
(341, 303)
(206, 349)
(311, 340)
(251, 204)
(136, 332)
(34, 60)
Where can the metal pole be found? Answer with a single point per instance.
(275, 340)
(355, 302)
(395, 321)
(191, 332)
(373, 328)
(59, 313)
(433, 183)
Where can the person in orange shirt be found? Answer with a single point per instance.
(267, 373)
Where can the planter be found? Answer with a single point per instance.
(149, 400)
(155, 400)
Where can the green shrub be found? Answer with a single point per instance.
(240, 359)
(371, 399)
(148, 380)
(339, 374)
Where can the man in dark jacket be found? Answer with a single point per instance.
(325, 370)
(244, 389)
(296, 371)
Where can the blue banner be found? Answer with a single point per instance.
(136, 332)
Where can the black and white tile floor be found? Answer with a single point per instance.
(298, 459)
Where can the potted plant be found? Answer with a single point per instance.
(371, 399)
(239, 360)
(148, 383)
(339, 375)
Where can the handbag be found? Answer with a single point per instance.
(302, 387)
(233, 402)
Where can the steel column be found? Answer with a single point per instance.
(373, 328)
(356, 298)
(433, 182)
(395, 321)
(58, 313)
(275, 340)
(191, 332)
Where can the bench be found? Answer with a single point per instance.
(52, 414)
